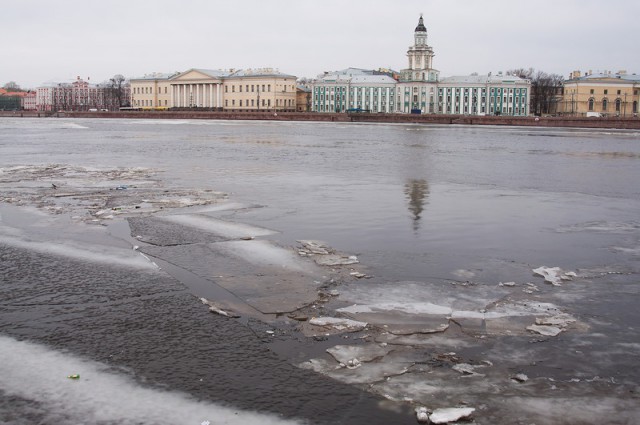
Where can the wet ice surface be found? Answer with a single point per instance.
(422, 291)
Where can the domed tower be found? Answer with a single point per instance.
(420, 57)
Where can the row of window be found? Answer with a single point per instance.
(618, 105)
(254, 103)
(141, 103)
(148, 90)
(254, 88)
(618, 92)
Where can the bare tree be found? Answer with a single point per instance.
(546, 89)
(116, 85)
(11, 86)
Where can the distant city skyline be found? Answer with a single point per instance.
(57, 41)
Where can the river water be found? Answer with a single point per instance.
(447, 224)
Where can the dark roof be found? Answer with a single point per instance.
(421, 27)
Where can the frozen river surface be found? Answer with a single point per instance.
(370, 269)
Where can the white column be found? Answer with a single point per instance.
(219, 89)
(211, 95)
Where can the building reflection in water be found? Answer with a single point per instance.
(417, 191)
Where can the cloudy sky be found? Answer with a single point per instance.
(46, 40)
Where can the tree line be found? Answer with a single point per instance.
(546, 89)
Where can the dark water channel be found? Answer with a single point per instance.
(436, 215)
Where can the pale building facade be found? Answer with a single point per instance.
(151, 91)
(353, 89)
(419, 89)
(604, 94)
(197, 88)
(79, 96)
(264, 89)
(484, 95)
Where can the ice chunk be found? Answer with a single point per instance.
(338, 323)
(544, 330)
(406, 307)
(554, 275)
(450, 414)
(215, 308)
(422, 415)
(364, 353)
(335, 260)
(467, 369)
(315, 247)
(520, 377)
(561, 320)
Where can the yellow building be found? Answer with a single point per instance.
(152, 91)
(263, 89)
(601, 94)
(198, 88)
(230, 90)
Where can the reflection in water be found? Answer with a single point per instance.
(417, 191)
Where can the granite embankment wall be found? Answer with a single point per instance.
(581, 122)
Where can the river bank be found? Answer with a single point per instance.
(562, 122)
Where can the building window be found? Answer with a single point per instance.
(618, 91)
(604, 104)
(240, 88)
(591, 91)
(591, 102)
(618, 103)
(226, 89)
(233, 89)
(606, 91)
(269, 87)
(635, 106)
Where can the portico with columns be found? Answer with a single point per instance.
(197, 88)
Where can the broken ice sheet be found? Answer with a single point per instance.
(554, 275)
(364, 353)
(366, 373)
(337, 323)
(450, 414)
(545, 330)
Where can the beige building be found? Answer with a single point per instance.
(233, 90)
(198, 88)
(152, 91)
(259, 90)
(601, 94)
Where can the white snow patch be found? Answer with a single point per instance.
(450, 414)
(84, 252)
(338, 323)
(409, 307)
(219, 227)
(264, 253)
(99, 395)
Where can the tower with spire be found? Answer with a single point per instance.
(420, 57)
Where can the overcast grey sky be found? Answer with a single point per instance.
(46, 40)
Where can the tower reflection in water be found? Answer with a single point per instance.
(416, 191)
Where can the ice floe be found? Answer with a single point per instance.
(324, 255)
(450, 414)
(224, 228)
(337, 323)
(554, 275)
(364, 353)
